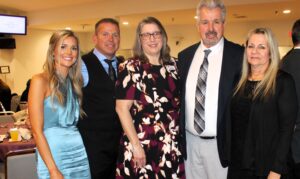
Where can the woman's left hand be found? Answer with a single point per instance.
(273, 175)
(139, 156)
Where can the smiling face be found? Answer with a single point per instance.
(210, 26)
(151, 40)
(107, 39)
(66, 54)
(258, 51)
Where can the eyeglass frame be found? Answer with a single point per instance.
(147, 35)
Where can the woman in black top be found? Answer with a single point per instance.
(262, 113)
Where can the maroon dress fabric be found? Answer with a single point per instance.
(155, 113)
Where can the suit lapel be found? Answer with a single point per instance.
(227, 78)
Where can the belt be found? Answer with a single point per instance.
(207, 137)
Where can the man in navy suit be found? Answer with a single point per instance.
(100, 128)
(291, 64)
(204, 150)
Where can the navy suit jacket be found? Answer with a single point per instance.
(230, 74)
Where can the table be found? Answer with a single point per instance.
(6, 146)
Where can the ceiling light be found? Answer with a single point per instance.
(68, 28)
(195, 17)
(125, 23)
(287, 11)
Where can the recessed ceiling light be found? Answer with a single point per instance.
(125, 23)
(195, 17)
(68, 28)
(286, 11)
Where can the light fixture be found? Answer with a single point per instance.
(195, 17)
(286, 11)
(125, 23)
(68, 28)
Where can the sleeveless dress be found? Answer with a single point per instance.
(155, 113)
(63, 138)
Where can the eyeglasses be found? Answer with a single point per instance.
(147, 36)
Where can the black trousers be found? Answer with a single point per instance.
(102, 151)
(295, 170)
(236, 173)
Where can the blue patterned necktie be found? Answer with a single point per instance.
(199, 115)
(111, 70)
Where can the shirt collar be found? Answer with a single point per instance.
(213, 48)
(101, 57)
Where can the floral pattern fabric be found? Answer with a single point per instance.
(155, 113)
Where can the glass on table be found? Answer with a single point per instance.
(14, 134)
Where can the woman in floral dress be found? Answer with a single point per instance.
(148, 108)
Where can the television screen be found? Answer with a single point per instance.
(13, 24)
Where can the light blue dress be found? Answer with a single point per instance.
(64, 139)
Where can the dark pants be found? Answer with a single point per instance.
(235, 173)
(295, 170)
(102, 150)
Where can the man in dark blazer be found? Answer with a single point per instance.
(5, 96)
(203, 150)
(291, 64)
(100, 128)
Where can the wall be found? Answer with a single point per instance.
(234, 31)
(28, 58)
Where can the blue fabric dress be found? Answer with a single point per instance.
(64, 138)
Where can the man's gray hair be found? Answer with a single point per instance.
(211, 4)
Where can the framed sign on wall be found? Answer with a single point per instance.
(4, 70)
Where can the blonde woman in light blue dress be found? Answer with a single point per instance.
(54, 110)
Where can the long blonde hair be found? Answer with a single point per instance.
(266, 86)
(74, 73)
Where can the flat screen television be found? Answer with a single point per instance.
(10, 24)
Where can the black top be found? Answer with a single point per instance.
(240, 111)
(268, 131)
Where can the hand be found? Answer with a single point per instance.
(56, 174)
(139, 157)
(273, 175)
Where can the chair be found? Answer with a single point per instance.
(1, 170)
(20, 164)
(7, 116)
(15, 101)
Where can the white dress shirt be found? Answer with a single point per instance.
(212, 88)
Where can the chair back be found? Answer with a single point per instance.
(20, 164)
(15, 101)
(7, 116)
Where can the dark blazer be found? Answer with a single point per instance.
(291, 64)
(100, 128)
(5, 96)
(230, 72)
(269, 130)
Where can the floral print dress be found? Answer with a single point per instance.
(155, 113)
